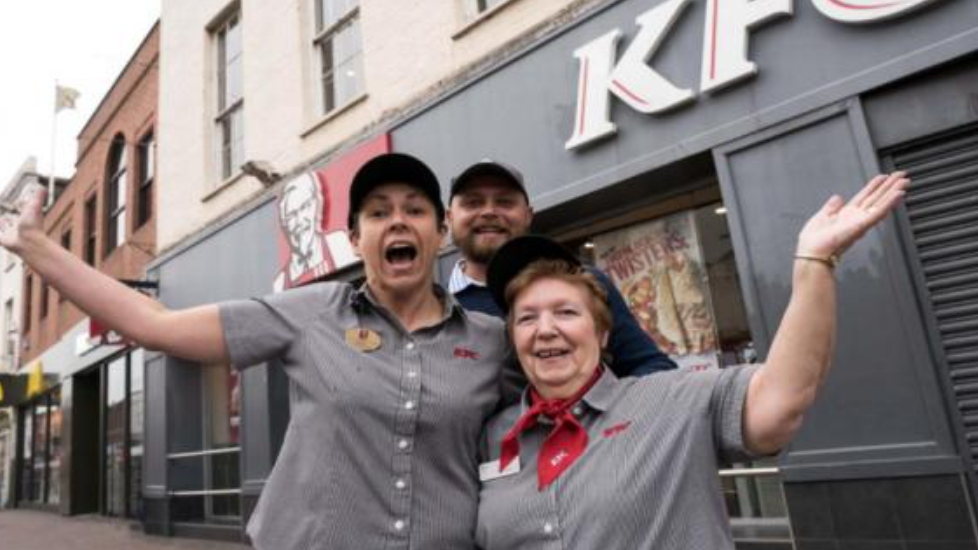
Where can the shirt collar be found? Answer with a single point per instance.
(363, 298)
(600, 397)
(459, 281)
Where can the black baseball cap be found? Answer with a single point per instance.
(394, 168)
(515, 255)
(488, 167)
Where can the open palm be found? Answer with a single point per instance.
(23, 216)
(838, 224)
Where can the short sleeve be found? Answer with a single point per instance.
(727, 409)
(260, 329)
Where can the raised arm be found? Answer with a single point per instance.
(194, 334)
(785, 387)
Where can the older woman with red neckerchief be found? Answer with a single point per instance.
(589, 461)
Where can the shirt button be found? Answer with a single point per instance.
(398, 525)
(578, 410)
(409, 405)
(410, 345)
(402, 444)
(400, 484)
(412, 374)
(547, 528)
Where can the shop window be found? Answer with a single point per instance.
(147, 174)
(218, 494)
(39, 476)
(339, 48)
(115, 438)
(230, 96)
(26, 474)
(116, 192)
(678, 276)
(91, 229)
(54, 447)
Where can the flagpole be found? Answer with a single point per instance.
(54, 143)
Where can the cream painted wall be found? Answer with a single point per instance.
(409, 50)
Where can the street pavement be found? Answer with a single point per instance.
(34, 530)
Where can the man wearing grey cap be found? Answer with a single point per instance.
(489, 206)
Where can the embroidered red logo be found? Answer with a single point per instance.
(617, 429)
(463, 353)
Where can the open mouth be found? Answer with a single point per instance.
(490, 230)
(400, 254)
(550, 353)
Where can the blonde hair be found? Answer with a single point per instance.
(561, 270)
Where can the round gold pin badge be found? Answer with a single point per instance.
(363, 339)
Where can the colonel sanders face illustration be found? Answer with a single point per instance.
(300, 209)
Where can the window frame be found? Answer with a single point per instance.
(146, 160)
(116, 188)
(91, 230)
(228, 113)
(323, 33)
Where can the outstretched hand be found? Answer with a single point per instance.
(23, 216)
(839, 224)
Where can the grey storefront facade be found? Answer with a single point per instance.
(887, 457)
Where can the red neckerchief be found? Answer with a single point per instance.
(566, 441)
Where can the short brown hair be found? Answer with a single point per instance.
(571, 274)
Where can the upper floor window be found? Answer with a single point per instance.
(91, 229)
(28, 299)
(115, 220)
(9, 341)
(340, 52)
(147, 173)
(45, 297)
(230, 96)
(66, 244)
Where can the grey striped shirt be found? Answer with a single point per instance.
(381, 450)
(648, 478)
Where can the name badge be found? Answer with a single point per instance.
(489, 471)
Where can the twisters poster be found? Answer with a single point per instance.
(658, 266)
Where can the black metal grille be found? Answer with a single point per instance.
(942, 205)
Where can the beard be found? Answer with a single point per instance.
(480, 251)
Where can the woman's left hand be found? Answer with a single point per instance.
(839, 224)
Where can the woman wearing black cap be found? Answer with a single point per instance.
(392, 380)
(590, 461)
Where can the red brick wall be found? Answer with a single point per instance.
(129, 109)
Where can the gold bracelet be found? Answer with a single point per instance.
(832, 260)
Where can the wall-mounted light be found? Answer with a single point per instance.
(720, 210)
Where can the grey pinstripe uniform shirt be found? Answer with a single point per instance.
(648, 478)
(381, 450)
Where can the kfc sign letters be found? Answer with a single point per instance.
(724, 60)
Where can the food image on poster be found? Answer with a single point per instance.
(658, 266)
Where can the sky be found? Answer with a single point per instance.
(82, 44)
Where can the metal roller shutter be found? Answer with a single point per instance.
(942, 205)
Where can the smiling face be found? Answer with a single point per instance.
(397, 236)
(486, 214)
(556, 337)
(299, 210)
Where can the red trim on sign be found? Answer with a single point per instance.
(583, 95)
(848, 6)
(628, 92)
(713, 40)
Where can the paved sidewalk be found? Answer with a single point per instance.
(32, 530)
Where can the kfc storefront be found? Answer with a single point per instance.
(678, 145)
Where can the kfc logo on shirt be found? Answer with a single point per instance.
(463, 353)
